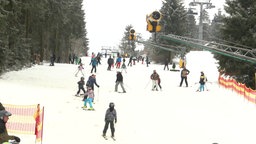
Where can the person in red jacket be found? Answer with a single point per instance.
(154, 77)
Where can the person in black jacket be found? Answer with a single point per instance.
(166, 62)
(119, 80)
(53, 57)
(81, 84)
(4, 136)
(110, 118)
(110, 62)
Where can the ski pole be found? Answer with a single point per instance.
(98, 95)
(147, 84)
(126, 86)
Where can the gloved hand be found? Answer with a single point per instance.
(17, 139)
(98, 86)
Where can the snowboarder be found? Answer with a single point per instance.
(154, 77)
(4, 136)
(119, 80)
(110, 118)
(80, 86)
(184, 74)
(88, 98)
(80, 69)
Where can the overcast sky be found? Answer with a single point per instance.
(106, 19)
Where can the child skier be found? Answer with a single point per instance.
(80, 86)
(154, 77)
(88, 97)
(110, 118)
(202, 82)
(119, 80)
(80, 69)
(123, 67)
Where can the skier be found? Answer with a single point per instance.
(53, 57)
(4, 136)
(159, 83)
(166, 62)
(147, 61)
(80, 86)
(118, 62)
(88, 98)
(154, 77)
(91, 81)
(130, 61)
(184, 74)
(119, 80)
(94, 63)
(110, 118)
(80, 69)
(202, 82)
(124, 66)
(110, 62)
(98, 57)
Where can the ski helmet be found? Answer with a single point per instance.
(4, 113)
(111, 105)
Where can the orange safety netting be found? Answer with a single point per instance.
(22, 119)
(240, 88)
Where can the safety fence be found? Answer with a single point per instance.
(230, 83)
(26, 119)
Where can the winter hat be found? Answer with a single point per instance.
(111, 105)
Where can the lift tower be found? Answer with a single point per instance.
(208, 6)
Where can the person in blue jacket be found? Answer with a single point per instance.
(94, 63)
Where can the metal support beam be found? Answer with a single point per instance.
(244, 54)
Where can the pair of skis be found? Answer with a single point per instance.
(106, 138)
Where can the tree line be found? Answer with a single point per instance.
(40, 28)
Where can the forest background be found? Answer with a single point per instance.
(33, 31)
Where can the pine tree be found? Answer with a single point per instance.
(40, 27)
(239, 28)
